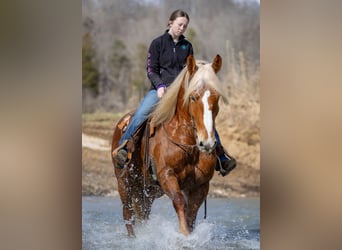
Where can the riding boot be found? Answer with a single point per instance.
(120, 155)
(225, 162)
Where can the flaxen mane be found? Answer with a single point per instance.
(204, 77)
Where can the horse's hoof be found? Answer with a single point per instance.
(132, 236)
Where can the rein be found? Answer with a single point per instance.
(184, 147)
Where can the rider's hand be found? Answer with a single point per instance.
(161, 92)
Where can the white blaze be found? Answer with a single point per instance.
(208, 115)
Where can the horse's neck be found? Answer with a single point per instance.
(181, 124)
(182, 111)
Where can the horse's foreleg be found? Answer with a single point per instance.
(170, 185)
(180, 205)
(196, 198)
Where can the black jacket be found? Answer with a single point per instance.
(166, 59)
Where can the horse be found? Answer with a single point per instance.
(176, 154)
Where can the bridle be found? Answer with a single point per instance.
(187, 148)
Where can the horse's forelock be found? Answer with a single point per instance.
(203, 78)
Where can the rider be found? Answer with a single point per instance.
(166, 58)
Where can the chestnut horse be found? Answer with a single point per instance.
(176, 156)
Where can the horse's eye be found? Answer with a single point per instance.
(192, 98)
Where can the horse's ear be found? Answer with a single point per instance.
(191, 64)
(217, 63)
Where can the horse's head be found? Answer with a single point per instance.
(194, 94)
(203, 94)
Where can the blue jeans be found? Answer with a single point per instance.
(217, 138)
(142, 113)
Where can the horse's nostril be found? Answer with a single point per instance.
(201, 143)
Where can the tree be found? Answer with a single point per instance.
(120, 70)
(90, 74)
(139, 73)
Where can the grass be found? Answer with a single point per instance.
(100, 124)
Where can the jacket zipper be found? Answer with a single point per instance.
(174, 57)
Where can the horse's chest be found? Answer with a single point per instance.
(184, 159)
(194, 172)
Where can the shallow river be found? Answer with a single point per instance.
(230, 224)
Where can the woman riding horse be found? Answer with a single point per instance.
(166, 58)
(180, 151)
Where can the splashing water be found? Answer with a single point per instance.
(231, 224)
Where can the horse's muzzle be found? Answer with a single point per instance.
(206, 146)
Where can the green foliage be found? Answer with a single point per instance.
(90, 74)
(120, 67)
(140, 69)
(119, 59)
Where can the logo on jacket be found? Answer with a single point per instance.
(183, 47)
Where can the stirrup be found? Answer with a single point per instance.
(227, 169)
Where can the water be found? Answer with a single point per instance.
(230, 224)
